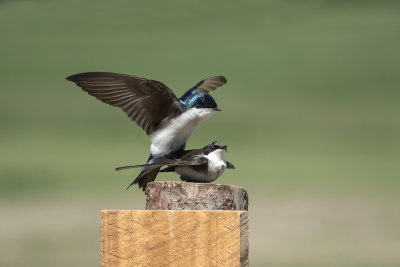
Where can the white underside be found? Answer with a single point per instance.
(171, 137)
(216, 167)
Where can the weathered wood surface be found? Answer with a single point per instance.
(168, 195)
(185, 224)
(174, 238)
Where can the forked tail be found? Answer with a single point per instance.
(148, 175)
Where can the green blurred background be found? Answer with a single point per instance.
(311, 116)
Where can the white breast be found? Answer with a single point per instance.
(172, 136)
(216, 164)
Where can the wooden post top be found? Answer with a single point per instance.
(171, 195)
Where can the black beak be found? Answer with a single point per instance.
(225, 148)
(217, 109)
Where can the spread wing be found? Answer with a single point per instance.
(209, 84)
(146, 102)
(205, 86)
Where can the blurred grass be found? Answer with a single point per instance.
(311, 107)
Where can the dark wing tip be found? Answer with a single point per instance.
(70, 78)
(222, 79)
(230, 165)
(96, 74)
(209, 84)
(77, 77)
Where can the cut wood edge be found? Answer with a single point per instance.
(171, 195)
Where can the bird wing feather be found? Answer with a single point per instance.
(205, 86)
(190, 158)
(149, 103)
(210, 84)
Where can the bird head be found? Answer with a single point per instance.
(214, 146)
(201, 100)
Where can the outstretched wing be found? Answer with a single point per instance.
(146, 102)
(205, 86)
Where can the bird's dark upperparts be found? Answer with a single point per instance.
(201, 100)
(198, 165)
(154, 107)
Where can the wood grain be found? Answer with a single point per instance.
(174, 238)
(169, 195)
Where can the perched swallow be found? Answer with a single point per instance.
(198, 165)
(155, 108)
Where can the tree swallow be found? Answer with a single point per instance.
(154, 107)
(198, 165)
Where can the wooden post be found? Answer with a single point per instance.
(169, 195)
(183, 228)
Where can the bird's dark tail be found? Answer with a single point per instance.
(148, 175)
